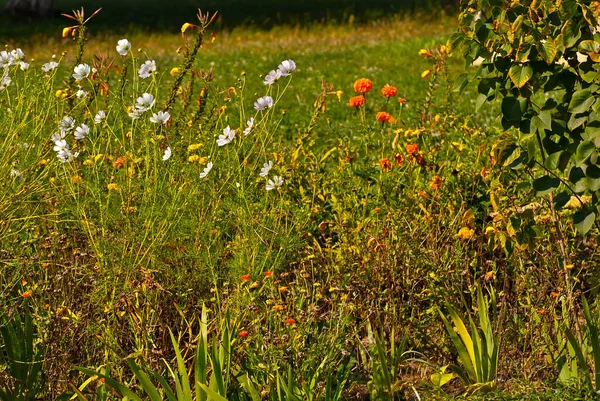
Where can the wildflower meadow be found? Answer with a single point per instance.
(377, 204)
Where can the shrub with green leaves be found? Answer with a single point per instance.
(540, 59)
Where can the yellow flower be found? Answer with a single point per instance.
(185, 26)
(175, 71)
(61, 94)
(194, 147)
(426, 73)
(42, 162)
(339, 95)
(76, 179)
(193, 158)
(465, 233)
(569, 267)
(112, 187)
(88, 162)
(98, 157)
(458, 146)
(425, 53)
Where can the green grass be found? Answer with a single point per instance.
(113, 253)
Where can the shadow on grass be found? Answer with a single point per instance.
(155, 15)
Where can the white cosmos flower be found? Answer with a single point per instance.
(81, 94)
(17, 54)
(272, 77)
(263, 103)
(134, 114)
(23, 65)
(249, 126)
(144, 103)
(266, 168)
(100, 116)
(60, 144)
(160, 118)
(81, 132)
(167, 154)
(147, 69)
(5, 81)
(6, 59)
(286, 67)
(57, 136)
(49, 66)
(206, 170)
(123, 47)
(81, 72)
(66, 124)
(65, 155)
(274, 183)
(14, 173)
(226, 137)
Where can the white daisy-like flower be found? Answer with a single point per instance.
(272, 77)
(14, 173)
(144, 102)
(226, 137)
(266, 168)
(249, 126)
(274, 183)
(147, 69)
(23, 65)
(66, 124)
(81, 132)
(65, 155)
(81, 94)
(5, 81)
(49, 66)
(160, 118)
(134, 114)
(17, 54)
(286, 67)
(100, 116)
(206, 170)
(123, 47)
(263, 103)
(167, 154)
(57, 136)
(60, 145)
(81, 72)
(6, 59)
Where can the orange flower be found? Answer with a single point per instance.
(290, 320)
(120, 162)
(412, 149)
(384, 116)
(389, 91)
(554, 294)
(426, 73)
(278, 307)
(245, 277)
(357, 101)
(243, 333)
(377, 210)
(282, 289)
(399, 159)
(436, 183)
(401, 100)
(268, 274)
(385, 164)
(26, 294)
(363, 85)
